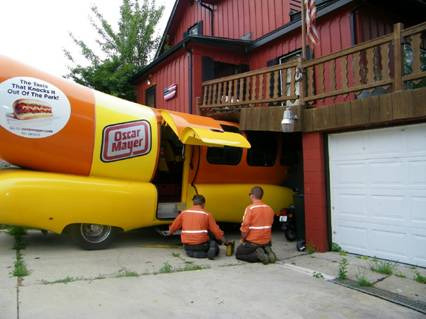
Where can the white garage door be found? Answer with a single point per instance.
(378, 192)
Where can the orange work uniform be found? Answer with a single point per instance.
(196, 224)
(257, 223)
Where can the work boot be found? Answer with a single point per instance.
(271, 255)
(262, 256)
(199, 254)
(212, 252)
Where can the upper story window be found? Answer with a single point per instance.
(264, 147)
(224, 155)
(196, 29)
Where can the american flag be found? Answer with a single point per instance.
(311, 30)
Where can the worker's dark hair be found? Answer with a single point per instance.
(257, 192)
(198, 200)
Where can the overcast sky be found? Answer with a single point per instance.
(36, 31)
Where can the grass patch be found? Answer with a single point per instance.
(382, 267)
(126, 273)
(400, 274)
(310, 249)
(65, 280)
(420, 278)
(343, 269)
(177, 255)
(16, 231)
(362, 281)
(166, 268)
(318, 275)
(190, 267)
(343, 253)
(336, 247)
(20, 269)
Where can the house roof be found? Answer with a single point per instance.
(324, 7)
(235, 44)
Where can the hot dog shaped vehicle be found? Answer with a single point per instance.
(94, 164)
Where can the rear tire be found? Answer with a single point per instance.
(93, 236)
(290, 234)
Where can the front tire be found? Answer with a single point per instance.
(93, 236)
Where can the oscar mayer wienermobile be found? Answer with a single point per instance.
(93, 164)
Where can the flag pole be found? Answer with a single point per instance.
(303, 31)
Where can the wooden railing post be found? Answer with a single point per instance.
(303, 82)
(397, 55)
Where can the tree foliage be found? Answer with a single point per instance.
(124, 51)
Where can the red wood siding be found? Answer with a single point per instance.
(336, 27)
(315, 191)
(371, 24)
(233, 18)
(175, 70)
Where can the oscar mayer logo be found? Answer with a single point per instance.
(125, 140)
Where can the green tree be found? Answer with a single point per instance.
(123, 51)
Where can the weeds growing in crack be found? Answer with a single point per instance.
(20, 269)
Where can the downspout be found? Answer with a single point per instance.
(211, 11)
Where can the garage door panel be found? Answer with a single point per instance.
(389, 240)
(415, 139)
(419, 251)
(418, 211)
(350, 173)
(386, 172)
(378, 145)
(349, 204)
(413, 169)
(348, 147)
(352, 238)
(386, 207)
(378, 192)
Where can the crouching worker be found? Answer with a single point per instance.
(256, 231)
(200, 233)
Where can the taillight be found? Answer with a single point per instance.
(283, 212)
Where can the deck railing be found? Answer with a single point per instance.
(385, 64)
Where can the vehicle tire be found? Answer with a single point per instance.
(290, 234)
(93, 236)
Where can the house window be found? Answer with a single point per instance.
(150, 96)
(288, 76)
(263, 151)
(226, 155)
(196, 29)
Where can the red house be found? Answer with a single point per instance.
(240, 59)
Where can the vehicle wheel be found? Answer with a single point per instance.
(93, 236)
(290, 234)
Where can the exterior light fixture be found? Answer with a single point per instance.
(287, 123)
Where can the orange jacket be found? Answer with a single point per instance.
(257, 223)
(196, 224)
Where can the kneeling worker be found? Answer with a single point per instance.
(200, 233)
(256, 231)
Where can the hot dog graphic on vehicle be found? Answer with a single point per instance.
(32, 108)
(27, 109)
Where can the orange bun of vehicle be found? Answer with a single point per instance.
(48, 123)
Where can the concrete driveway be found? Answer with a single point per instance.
(147, 276)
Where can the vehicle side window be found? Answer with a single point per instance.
(224, 155)
(263, 151)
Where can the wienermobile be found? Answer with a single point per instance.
(93, 164)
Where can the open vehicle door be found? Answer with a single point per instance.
(199, 130)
